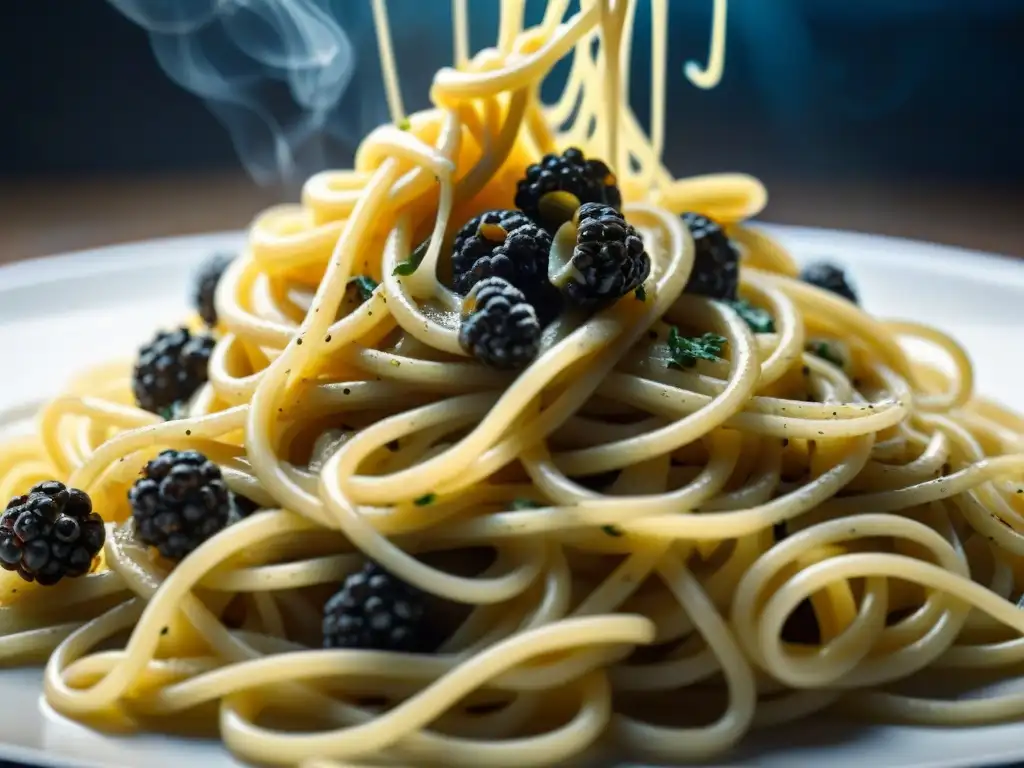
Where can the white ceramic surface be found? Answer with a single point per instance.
(63, 313)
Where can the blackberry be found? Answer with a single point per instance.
(180, 501)
(716, 264)
(206, 279)
(479, 238)
(589, 181)
(501, 328)
(49, 533)
(170, 369)
(608, 259)
(375, 610)
(830, 277)
(506, 244)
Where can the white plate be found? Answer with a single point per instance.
(64, 313)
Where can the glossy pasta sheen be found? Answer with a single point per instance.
(652, 617)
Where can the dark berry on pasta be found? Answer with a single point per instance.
(716, 264)
(586, 180)
(509, 245)
(50, 533)
(480, 238)
(170, 369)
(607, 259)
(375, 610)
(499, 326)
(831, 278)
(180, 501)
(206, 279)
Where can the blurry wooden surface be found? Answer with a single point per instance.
(45, 217)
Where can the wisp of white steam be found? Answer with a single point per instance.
(274, 72)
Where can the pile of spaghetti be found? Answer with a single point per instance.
(486, 454)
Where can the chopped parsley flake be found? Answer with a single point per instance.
(425, 500)
(826, 350)
(640, 293)
(759, 320)
(406, 268)
(611, 530)
(364, 284)
(173, 412)
(687, 350)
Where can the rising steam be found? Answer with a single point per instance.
(277, 73)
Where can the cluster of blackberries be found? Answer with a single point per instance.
(566, 242)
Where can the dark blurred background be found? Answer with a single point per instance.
(138, 118)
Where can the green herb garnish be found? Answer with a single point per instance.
(406, 268)
(640, 293)
(521, 504)
(826, 350)
(404, 124)
(173, 412)
(425, 500)
(611, 530)
(364, 284)
(687, 350)
(759, 320)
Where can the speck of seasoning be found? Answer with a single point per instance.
(785, 442)
(835, 413)
(370, 313)
(327, 338)
(807, 370)
(288, 372)
(425, 499)
(820, 432)
(392, 445)
(1020, 490)
(346, 391)
(280, 410)
(298, 342)
(121, 459)
(611, 530)
(652, 335)
(165, 630)
(188, 431)
(14, 591)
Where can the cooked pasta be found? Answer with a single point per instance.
(684, 518)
